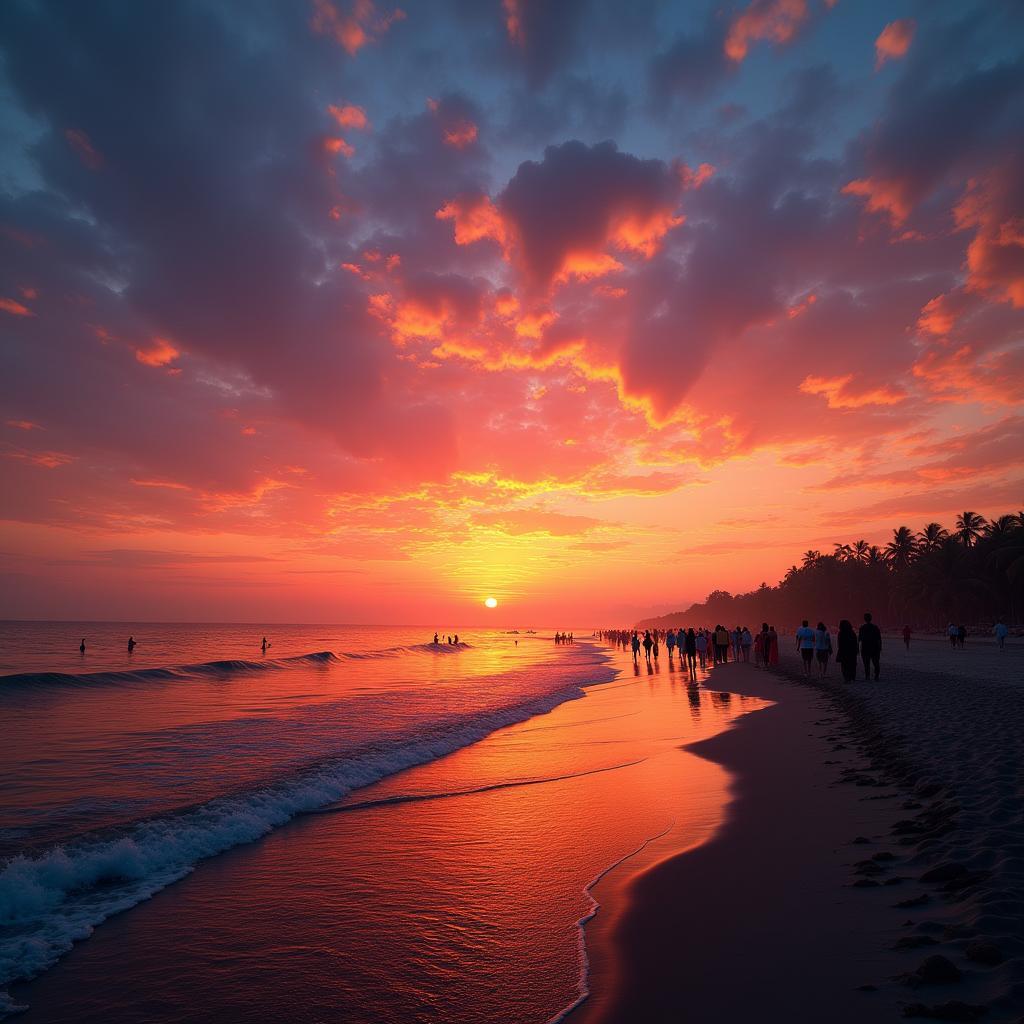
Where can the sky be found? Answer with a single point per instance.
(340, 311)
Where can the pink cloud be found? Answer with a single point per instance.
(159, 353)
(349, 116)
(354, 29)
(84, 149)
(775, 20)
(894, 41)
(15, 308)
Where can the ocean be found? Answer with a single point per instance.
(407, 809)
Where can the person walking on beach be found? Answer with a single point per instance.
(746, 642)
(690, 640)
(773, 646)
(961, 635)
(655, 645)
(648, 644)
(1000, 632)
(822, 648)
(721, 644)
(805, 645)
(846, 651)
(764, 644)
(636, 646)
(670, 643)
(906, 637)
(870, 646)
(701, 643)
(952, 634)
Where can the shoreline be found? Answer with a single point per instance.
(814, 871)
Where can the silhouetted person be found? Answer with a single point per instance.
(456, 639)
(1000, 631)
(81, 646)
(131, 644)
(906, 637)
(648, 643)
(846, 650)
(264, 645)
(961, 635)
(870, 646)
(805, 645)
(435, 639)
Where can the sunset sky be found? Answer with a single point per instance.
(341, 311)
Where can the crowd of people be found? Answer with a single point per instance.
(564, 638)
(703, 646)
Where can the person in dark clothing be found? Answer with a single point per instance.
(691, 651)
(870, 646)
(846, 650)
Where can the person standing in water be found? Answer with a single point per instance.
(131, 644)
(81, 646)
(264, 645)
(906, 637)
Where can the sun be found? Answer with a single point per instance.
(491, 602)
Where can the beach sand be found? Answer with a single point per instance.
(848, 801)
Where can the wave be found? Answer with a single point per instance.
(397, 652)
(415, 798)
(145, 675)
(235, 666)
(54, 899)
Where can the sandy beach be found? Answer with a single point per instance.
(870, 865)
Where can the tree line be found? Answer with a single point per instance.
(971, 574)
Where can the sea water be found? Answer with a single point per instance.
(123, 773)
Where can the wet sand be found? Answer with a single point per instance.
(848, 802)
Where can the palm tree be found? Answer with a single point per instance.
(900, 551)
(860, 550)
(968, 528)
(844, 552)
(811, 557)
(1001, 527)
(875, 555)
(932, 537)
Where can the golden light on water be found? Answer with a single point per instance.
(491, 602)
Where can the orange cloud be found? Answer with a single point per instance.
(514, 22)
(160, 353)
(15, 308)
(694, 178)
(883, 196)
(801, 307)
(894, 41)
(995, 256)
(775, 20)
(354, 30)
(336, 144)
(48, 460)
(475, 218)
(83, 146)
(23, 425)
(838, 393)
(349, 116)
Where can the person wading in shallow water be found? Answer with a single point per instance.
(870, 646)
